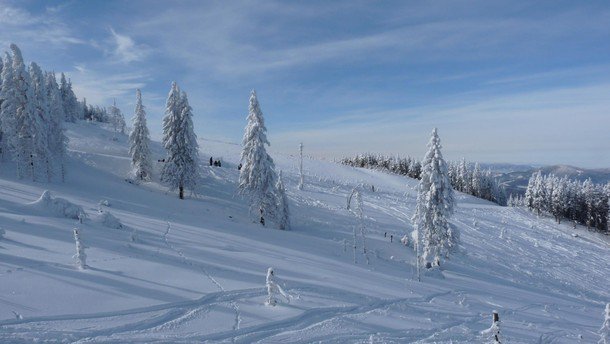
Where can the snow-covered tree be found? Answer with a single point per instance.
(80, 256)
(116, 118)
(69, 101)
(27, 124)
(301, 177)
(139, 141)
(435, 204)
(180, 170)
(604, 331)
(357, 210)
(8, 108)
(57, 140)
(257, 176)
(283, 212)
(273, 288)
(40, 140)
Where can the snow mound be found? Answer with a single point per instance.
(58, 206)
(108, 220)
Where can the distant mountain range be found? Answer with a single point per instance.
(515, 177)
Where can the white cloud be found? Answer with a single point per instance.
(125, 48)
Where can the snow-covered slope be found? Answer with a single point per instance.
(196, 271)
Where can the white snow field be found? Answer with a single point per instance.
(196, 272)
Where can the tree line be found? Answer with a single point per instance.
(585, 203)
(465, 177)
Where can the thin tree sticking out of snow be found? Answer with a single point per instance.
(273, 288)
(301, 177)
(283, 211)
(257, 176)
(180, 170)
(139, 141)
(80, 256)
(359, 214)
(604, 331)
(435, 204)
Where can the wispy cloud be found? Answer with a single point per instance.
(125, 48)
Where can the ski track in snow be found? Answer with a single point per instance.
(187, 261)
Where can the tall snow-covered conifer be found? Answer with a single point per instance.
(69, 102)
(435, 204)
(27, 124)
(8, 108)
(42, 154)
(57, 140)
(139, 141)
(257, 176)
(180, 170)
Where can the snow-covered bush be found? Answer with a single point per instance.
(80, 256)
(109, 220)
(59, 206)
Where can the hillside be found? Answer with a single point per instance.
(196, 272)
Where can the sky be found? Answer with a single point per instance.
(503, 81)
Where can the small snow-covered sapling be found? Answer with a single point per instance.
(80, 256)
(273, 288)
(493, 333)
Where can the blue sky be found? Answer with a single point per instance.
(504, 81)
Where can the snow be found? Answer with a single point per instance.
(197, 271)
(56, 205)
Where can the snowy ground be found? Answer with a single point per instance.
(197, 270)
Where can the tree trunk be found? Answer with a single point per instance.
(181, 192)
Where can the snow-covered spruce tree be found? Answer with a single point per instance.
(80, 256)
(139, 141)
(283, 212)
(27, 125)
(435, 205)
(180, 170)
(69, 101)
(8, 108)
(604, 331)
(42, 154)
(57, 140)
(257, 176)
